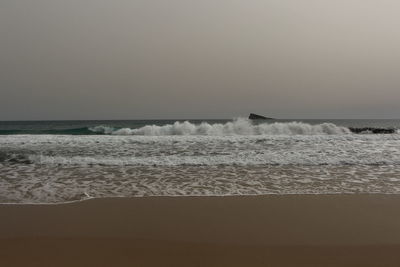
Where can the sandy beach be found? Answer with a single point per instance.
(289, 230)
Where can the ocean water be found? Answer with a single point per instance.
(63, 161)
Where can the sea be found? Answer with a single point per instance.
(65, 161)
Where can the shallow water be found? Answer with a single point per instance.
(186, 159)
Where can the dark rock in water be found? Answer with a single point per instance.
(258, 117)
(373, 130)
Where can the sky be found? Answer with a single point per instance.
(159, 59)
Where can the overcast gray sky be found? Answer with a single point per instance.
(141, 59)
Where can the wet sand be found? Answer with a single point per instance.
(291, 230)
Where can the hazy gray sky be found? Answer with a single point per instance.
(102, 59)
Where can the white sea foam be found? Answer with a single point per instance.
(60, 168)
(237, 127)
(102, 129)
(242, 159)
(202, 150)
(36, 184)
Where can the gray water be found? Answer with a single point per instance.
(60, 161)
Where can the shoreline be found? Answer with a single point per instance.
(195, 196)
(281, 230)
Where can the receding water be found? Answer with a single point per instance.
(53, 162)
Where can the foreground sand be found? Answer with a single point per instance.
(324, 230)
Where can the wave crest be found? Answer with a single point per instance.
(237, 127)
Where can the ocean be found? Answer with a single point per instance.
(65, 161)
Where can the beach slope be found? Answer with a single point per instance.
(289, 230)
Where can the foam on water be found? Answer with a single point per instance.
(35, 184)
(202, 150)
(237, 127)
(185, 159)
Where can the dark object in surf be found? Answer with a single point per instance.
(373, 130)
(258, 117)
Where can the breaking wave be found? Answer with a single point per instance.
(237, 127)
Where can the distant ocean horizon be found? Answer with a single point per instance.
(63, 161)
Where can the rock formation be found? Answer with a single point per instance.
(258, 117)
